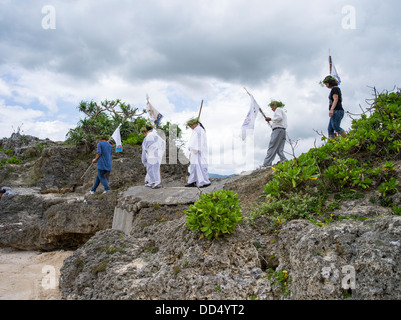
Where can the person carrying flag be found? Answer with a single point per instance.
(104, 164)
(198, 167)
(153, 149)
(277, 140)
(336, 111)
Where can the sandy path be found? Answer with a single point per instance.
(30, 275)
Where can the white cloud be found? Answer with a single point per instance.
(44, 129)
(5, 90)
(14, 117)
(180, 52)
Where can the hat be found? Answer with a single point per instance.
(192, 122)
(277, 104)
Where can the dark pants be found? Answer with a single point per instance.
(102, 177)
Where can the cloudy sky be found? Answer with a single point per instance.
(54, 54)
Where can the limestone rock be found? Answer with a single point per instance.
(350, 259)
(30, 220)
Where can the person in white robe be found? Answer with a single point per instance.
(198, 154)
(153, 149)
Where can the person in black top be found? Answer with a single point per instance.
(336, 111)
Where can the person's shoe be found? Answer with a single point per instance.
(191, 185)
(105, 191)
(156, 187)
(92, 192)
(148, 185)
(205, 186)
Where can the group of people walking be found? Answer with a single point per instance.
(153, 146)
(153, 149)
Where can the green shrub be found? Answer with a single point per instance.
(291, 175)
(14, 160)
(389, 187)
(215, 213)
(7, 151)
(294, 206)
(281, 279)
(134, 139)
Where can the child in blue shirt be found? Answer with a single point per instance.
(104, 165)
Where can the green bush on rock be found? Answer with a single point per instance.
(215, 213)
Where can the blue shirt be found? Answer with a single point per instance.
(105, 150)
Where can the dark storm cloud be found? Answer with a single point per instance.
(236, 41)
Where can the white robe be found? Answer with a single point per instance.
(153, 149)
(198, 155)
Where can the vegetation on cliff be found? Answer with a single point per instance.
(313, 185)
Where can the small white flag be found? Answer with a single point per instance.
(249, 122)
(117, 138)
(333, 71)
(154, 115)
(335, 75)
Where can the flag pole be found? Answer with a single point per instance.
(161, 178)
(86, 171)
(200, 110)
(330, 62)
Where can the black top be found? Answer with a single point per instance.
(337, 91)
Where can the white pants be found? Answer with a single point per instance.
(153, 174)
(198, 172)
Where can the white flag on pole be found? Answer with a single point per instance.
(117, 138)
(335, 75)
(154, 115)
(249, 123)
(333, 71)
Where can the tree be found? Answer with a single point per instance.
(102, 120)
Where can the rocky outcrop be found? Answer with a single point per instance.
(163, 260)
(32, 221)
(158, 257)
(50, 207)
(351, 259)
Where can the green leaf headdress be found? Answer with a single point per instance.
(277, 104)
(191, 122)
(328, 79)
